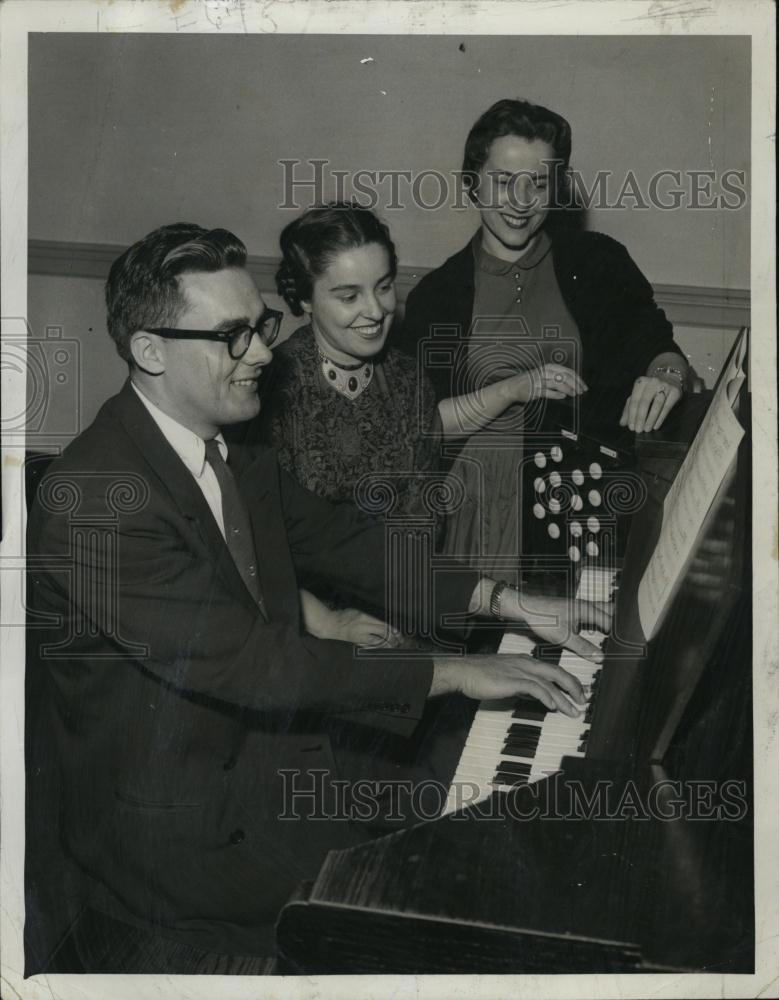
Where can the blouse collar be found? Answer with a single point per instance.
(485, 261)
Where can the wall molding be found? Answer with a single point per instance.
(685, 305)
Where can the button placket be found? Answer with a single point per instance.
(518, 280)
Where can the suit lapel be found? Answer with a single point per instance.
(179, 483)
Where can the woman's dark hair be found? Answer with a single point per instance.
(310, 243)
(525, 120)
(142, 290)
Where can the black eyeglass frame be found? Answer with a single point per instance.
(230, 337)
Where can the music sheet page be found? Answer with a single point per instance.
(691, 495)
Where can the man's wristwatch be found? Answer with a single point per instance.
(495, 596)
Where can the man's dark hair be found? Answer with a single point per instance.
(142, 289)
(524, 120)
(311, 242)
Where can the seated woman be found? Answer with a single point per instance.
(341, 405)
(541, 314)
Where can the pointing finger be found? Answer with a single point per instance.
(584, 648)
(596, 614)
(556, 678)
(569, 684)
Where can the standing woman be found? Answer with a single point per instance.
(514, 282)
(341, 403)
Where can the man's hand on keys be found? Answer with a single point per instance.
(506, 675)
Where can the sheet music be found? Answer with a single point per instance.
(692, 494)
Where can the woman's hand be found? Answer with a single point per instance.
(652, 399)
(464, 415)
(547, 382)
(557, 620)
(362, 629)
(345, 625)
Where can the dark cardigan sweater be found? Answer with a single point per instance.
(621, 327)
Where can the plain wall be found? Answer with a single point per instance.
(128, 132)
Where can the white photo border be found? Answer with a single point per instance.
(484, 17)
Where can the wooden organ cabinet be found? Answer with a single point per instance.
(598, 866)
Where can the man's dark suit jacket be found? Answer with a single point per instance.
(171, 703)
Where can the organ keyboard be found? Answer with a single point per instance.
(512, 742)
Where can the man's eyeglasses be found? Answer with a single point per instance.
(237, 339)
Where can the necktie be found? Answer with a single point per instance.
(238, 531)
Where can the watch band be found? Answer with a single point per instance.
(670, 370)
(495, 596)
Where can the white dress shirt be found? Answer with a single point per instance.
(191, 449)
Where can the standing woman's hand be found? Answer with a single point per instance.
(652, 399)
(550, 381)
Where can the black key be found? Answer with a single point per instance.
(530, 735)
(530, 704)
(530, 714)
(517, 729)
(518, 751)
(547, 654)
(518, 755)
(508, 779)
(523, 737)
(513, 767)
(521, 741)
